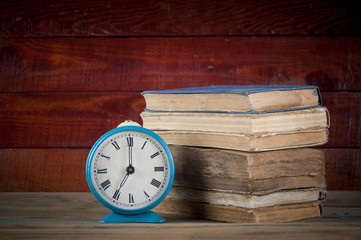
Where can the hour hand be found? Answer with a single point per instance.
(130, 170)
(117, 192)
(123, 181)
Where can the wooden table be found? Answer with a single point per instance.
(75, 215)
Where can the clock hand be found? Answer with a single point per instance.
(130, 156)
(123, 181)
(130, 150)
(130, 170)
(117, 192)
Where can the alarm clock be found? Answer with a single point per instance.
(130, 170)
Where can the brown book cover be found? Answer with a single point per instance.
(256, 173)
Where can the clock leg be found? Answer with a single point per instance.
(147, 217)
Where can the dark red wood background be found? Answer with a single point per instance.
(72, 70)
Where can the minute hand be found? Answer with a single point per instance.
(130, 150)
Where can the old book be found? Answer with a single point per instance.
(239, 199)
(248, 124)
(243, 142)
(233, 98)
(256, 173)
(282, 213)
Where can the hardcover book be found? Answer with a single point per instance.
(249, 98)
(282, 213)
(248, 173)
(276, 122)
(248, 143)
(249, 201)
(245, 132)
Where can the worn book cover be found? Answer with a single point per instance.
(249, 173)
(234, 98)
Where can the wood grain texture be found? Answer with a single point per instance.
(69, 119)
(175, 18)
(345, 115)
(343, 168)
(63, 119)
(71, 70)
(43, 170)
(136, 64)
(63, 169)
(76, 215)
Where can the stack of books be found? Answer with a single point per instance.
(241, 152)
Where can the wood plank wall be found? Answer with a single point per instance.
(71, 70)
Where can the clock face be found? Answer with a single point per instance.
(130, 170)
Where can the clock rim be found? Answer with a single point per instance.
(120, 209)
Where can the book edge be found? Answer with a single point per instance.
(238, 89)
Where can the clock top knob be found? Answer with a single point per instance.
(128, 123)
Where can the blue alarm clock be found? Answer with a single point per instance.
(130, 170)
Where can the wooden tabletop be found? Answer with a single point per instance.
(76, 215)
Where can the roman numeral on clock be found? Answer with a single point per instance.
(102, 155)
(154, 155)
(131, 198)
(130, 141)
(155, 183)
(146, 194)
(116, 194)
(102, 171)
(115, 144)
(158, 169)
(144, 145)
(105, 184)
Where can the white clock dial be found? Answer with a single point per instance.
(130, 170)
